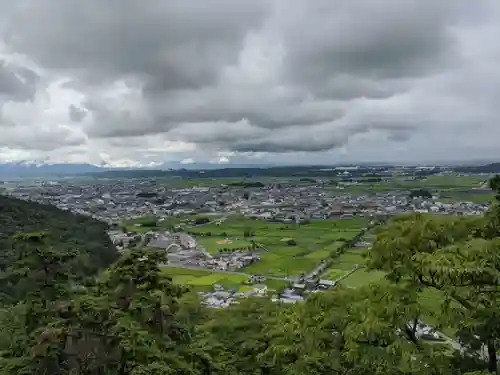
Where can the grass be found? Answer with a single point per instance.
(167, 223)
(182, 183)
(226, 280)
(458, 196)
(215, 245)
(348, 260)
(318, 255)
(275, 265)
(314, 241)
(333, 274)
(276, 284)
(450, 183)
(363, 277)
(245, 288)
(204, 280)
(176, 271)
(453, 181)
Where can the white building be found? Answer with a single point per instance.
(186, 241)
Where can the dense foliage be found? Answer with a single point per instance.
(420, 193)
(62, 230)
(133, 320)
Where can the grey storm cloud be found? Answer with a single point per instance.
(378, 40)
(17, 83)
(169, 44)
(76, 114)
(273, 76)
(24, 138)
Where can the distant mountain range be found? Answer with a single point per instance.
(34, 170)
(23, 169)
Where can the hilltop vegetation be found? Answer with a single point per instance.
(62, 230)
(133, 319)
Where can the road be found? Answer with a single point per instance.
(201, 248)
(313, 272)
(204, 251)
(321, 265)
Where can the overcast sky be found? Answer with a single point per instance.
(128, 82)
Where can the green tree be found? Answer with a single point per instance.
(201, 220)
(234, 339)
(126, 324)
(335, 333)
(447, 255)
(420, 193)
(39, 282)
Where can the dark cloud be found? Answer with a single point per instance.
(25, 137)
(169, 44)
(266, 76)
(76, 114)
(362, 38)
(17, 83)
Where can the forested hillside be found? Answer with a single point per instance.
(62, 230)
(133, 320)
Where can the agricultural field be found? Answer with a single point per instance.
(183, 183)
(451, 196)
(333, 274)
(216, 245)
(166, 223)
(451, 187)
(344, 263)
(150, 223)
(363, 277)
(349, 260)
(453, 181)
(204, 280)
(290, 249)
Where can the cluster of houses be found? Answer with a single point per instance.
(230, 261)
(220, 297)
(167, 240)
(184, 250)
(118, 199)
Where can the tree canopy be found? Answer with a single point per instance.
(420, 193)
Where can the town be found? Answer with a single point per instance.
(286, 237)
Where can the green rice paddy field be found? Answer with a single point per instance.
(204, 280)
(314, 241)
(450, 188)
(219, 244)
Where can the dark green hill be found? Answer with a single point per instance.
(63, 230)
